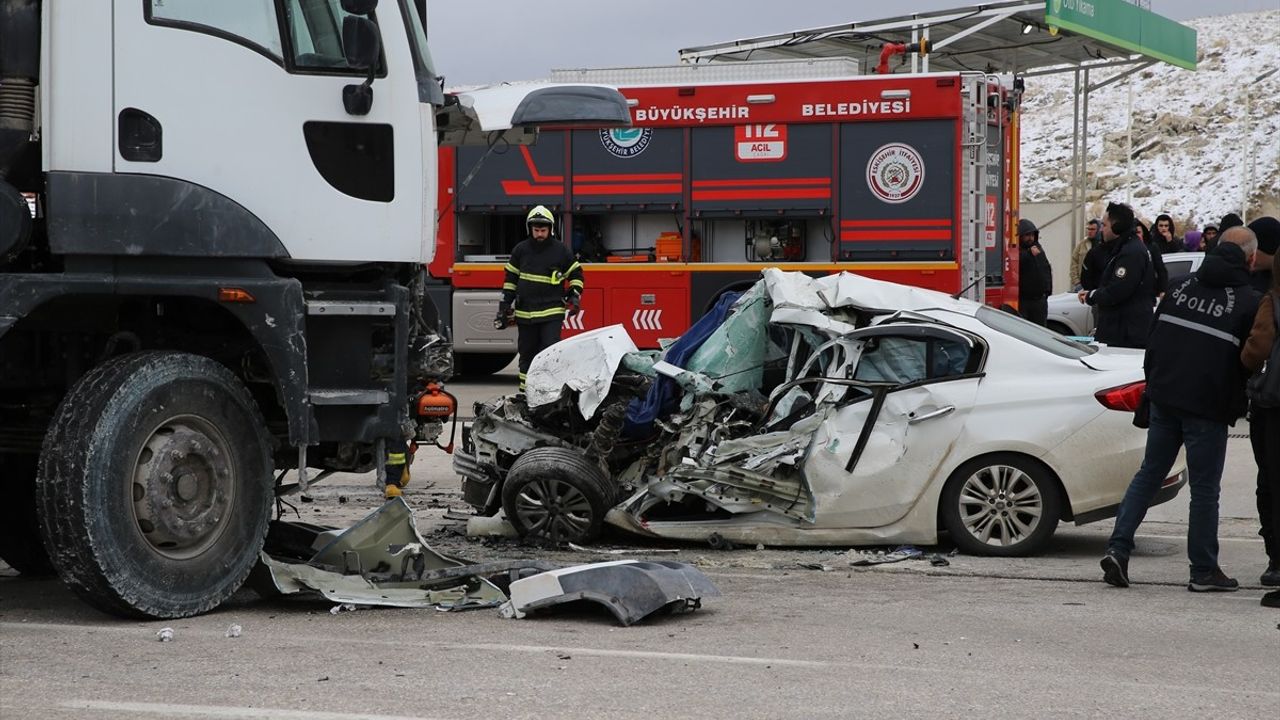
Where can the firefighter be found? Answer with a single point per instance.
(542, 281)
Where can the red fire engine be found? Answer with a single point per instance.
(907, 178)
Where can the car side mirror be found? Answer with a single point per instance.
(361, 46)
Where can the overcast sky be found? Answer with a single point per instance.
(489, 41)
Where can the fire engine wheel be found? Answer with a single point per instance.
(474, 365)
(1002, 504)
(556, 494)
(20, 543)
(155, 485)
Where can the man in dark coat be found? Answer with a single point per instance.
(1126, 283)
(1035, 276)
(1267, 229)
(1195, 388)
(1166, 238)
(1209, 238)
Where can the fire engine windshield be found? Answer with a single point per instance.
(429, 88)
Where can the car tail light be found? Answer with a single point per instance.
(1123, 398)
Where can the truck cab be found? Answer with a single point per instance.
(222, 281)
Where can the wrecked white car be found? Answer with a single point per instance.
(831, 411)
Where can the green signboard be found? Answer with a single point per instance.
(1125, 25)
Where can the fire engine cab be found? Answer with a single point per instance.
(732, 168)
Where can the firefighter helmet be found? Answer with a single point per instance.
(540, 215)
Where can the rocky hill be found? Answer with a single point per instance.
(1192, 145)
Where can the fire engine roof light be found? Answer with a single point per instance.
(895, 94)
(760, 99)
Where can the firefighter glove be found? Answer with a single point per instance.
(573, 302)
(504, 317)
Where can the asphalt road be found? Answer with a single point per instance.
(1007, 638)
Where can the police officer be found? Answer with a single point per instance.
(534, 291)
(1035, 275)
(1195, 386)
(1126, 283)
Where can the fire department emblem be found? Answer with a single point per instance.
(626, 142)
(895, 173)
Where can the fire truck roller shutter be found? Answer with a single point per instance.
(898, 190)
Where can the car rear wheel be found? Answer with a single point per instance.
(556, 494)
(1003, 504)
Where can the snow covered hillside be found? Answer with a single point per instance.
(1190, 140)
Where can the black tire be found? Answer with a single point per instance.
(976, 501)
(20, 542)
(475, 365)
(557, 494)
(155, 485)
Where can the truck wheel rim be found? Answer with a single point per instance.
(553, 508)
(1000, 505)
(183, 487)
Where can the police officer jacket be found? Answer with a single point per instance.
(1124, 295)
(535, 280)
(1193, 356)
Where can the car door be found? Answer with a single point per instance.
(871, 461)
(243, 100)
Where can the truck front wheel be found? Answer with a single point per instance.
(155, 485)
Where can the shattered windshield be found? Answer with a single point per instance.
(1032, 334)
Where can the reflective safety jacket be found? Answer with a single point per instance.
(539, 274)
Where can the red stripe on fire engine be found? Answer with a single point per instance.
(939, 222)
(637, 177)
(763, 194)
(629, 189)
(524, 187)
(895, 235)
(533, 169)
(754, 182)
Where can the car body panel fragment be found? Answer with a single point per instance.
(381, 560)
(631, 589)
(585, 363)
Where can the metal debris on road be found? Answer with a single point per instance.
(632, 590)
(861, 558)
(165, 635)
(233, 631)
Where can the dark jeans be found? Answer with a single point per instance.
(1264, 433)
(532, 338)
(1206, 442)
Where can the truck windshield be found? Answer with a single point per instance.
(429, 89)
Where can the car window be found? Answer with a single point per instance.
(1032, 334)
(908, 360)
(1178, 269)
(251, 23)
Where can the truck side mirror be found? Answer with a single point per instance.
(361, 46)
(359, 7)
(360, 42)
